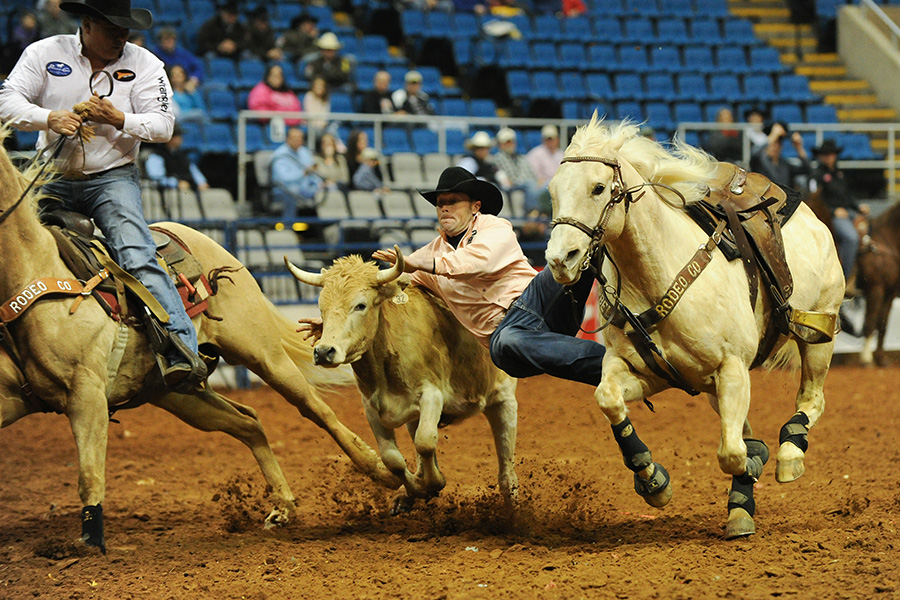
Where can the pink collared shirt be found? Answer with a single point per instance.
(480, 278)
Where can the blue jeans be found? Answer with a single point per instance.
(113, 200)
(846, 239)
(537, 335)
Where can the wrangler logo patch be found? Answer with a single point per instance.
(124, 75)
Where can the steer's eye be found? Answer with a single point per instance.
(598, 189)
(360, 307)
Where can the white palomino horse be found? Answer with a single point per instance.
(69, 359)
(622, 193)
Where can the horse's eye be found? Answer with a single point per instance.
(598, 189)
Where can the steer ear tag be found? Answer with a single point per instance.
(401, 298)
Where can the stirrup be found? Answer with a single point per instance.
(813, 327)
(182, 376)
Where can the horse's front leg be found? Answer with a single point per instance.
(739, 456)
(618, 386)
(89, 419)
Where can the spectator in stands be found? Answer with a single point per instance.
(758, 138)
(331, 165)
(137, 38)
(223, 34)
(260, 40)
(545, 157)
(171, 167)
(479, 162)
(441, 5)
(725, 144)
(829, 180)
(54, 21)
(168, 50)
(470, 6)
(368, 176)
(410, 99)
(357, 141)
(189, 104)
(519, 171)
(770, 162)
(378, 99)
(273, 93)
(300, 40)
(317, 101)
(25, 32)
(294, 179)
(329, 63)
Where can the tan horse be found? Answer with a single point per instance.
(711, 335)
(72, 361)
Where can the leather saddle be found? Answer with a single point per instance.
(755, 209)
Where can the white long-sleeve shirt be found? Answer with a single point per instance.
(53, 74)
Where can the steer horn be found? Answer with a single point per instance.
(388, 275)
(304, 276)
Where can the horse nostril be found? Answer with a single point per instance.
(323, 355)
(571, 256)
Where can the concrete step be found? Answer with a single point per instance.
(757, 13)
(811, 58)
(778, 28)
(882, 144)
(839, 86)
(864, 100)
(818, 72)
(857, 115)
(791, 42)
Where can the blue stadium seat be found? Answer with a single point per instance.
(599, 86)
(218, 138)
(577, 29)
(364, 77)
(676, 8)
(485, 52)
(821, 113)
(256, 138)
(759, 87)
(222, 70)
(643, 8)
(482, 107)
(467, 25)
(342, 102)
(544, 84)
(671, 30)
(699, 58)
(633, 59)
(453, 107)
(193, 135)
(692, 86)
(665, 58)
(601, 57)
(252, 71)
(726, 86)
(514, 54)
(518, 83)
(788, 112)
(659, 115)
(395, 139)
(602, 109)
(573, 109)
(659, 86)
(687, 111)
(547, 28)
(439, 24)
(413, 22)
(431, 79)
(707, 32)
(571, 56)
(731, 59)
(220, 104)
(571, 86)
(766, 59)
(712, 8)
(543, 55)
(740, 31)
(627, 86)
(629, 110)
(456, 141)
(608, 29)
(424, 140)
(611, 8)
(795, 88)
(639, 30)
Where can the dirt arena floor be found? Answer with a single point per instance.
(184, 509)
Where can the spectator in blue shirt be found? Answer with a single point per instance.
(168, 51)
(368, 176)
(294, 179)
(189, 104)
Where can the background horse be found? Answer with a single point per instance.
(878, 276)
(603, 190)
(83, 364)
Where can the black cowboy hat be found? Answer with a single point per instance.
(457, 179)
(827, 147)
(117, 12)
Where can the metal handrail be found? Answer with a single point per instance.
(869, 6)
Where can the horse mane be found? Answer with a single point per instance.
(17, 181)
(889, 220)
(684, 167)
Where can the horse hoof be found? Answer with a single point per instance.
(279, 517)
(402, 504)
(740, 524)
(657, 490)
(790, 465)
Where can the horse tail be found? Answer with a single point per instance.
(301, 353)
(786, 358)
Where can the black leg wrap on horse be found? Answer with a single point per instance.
(634, 451)
(757, 456)
(741, 495)
(92, 527)
(795, 430)
(658, 482)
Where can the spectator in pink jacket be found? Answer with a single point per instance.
(272, 93)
